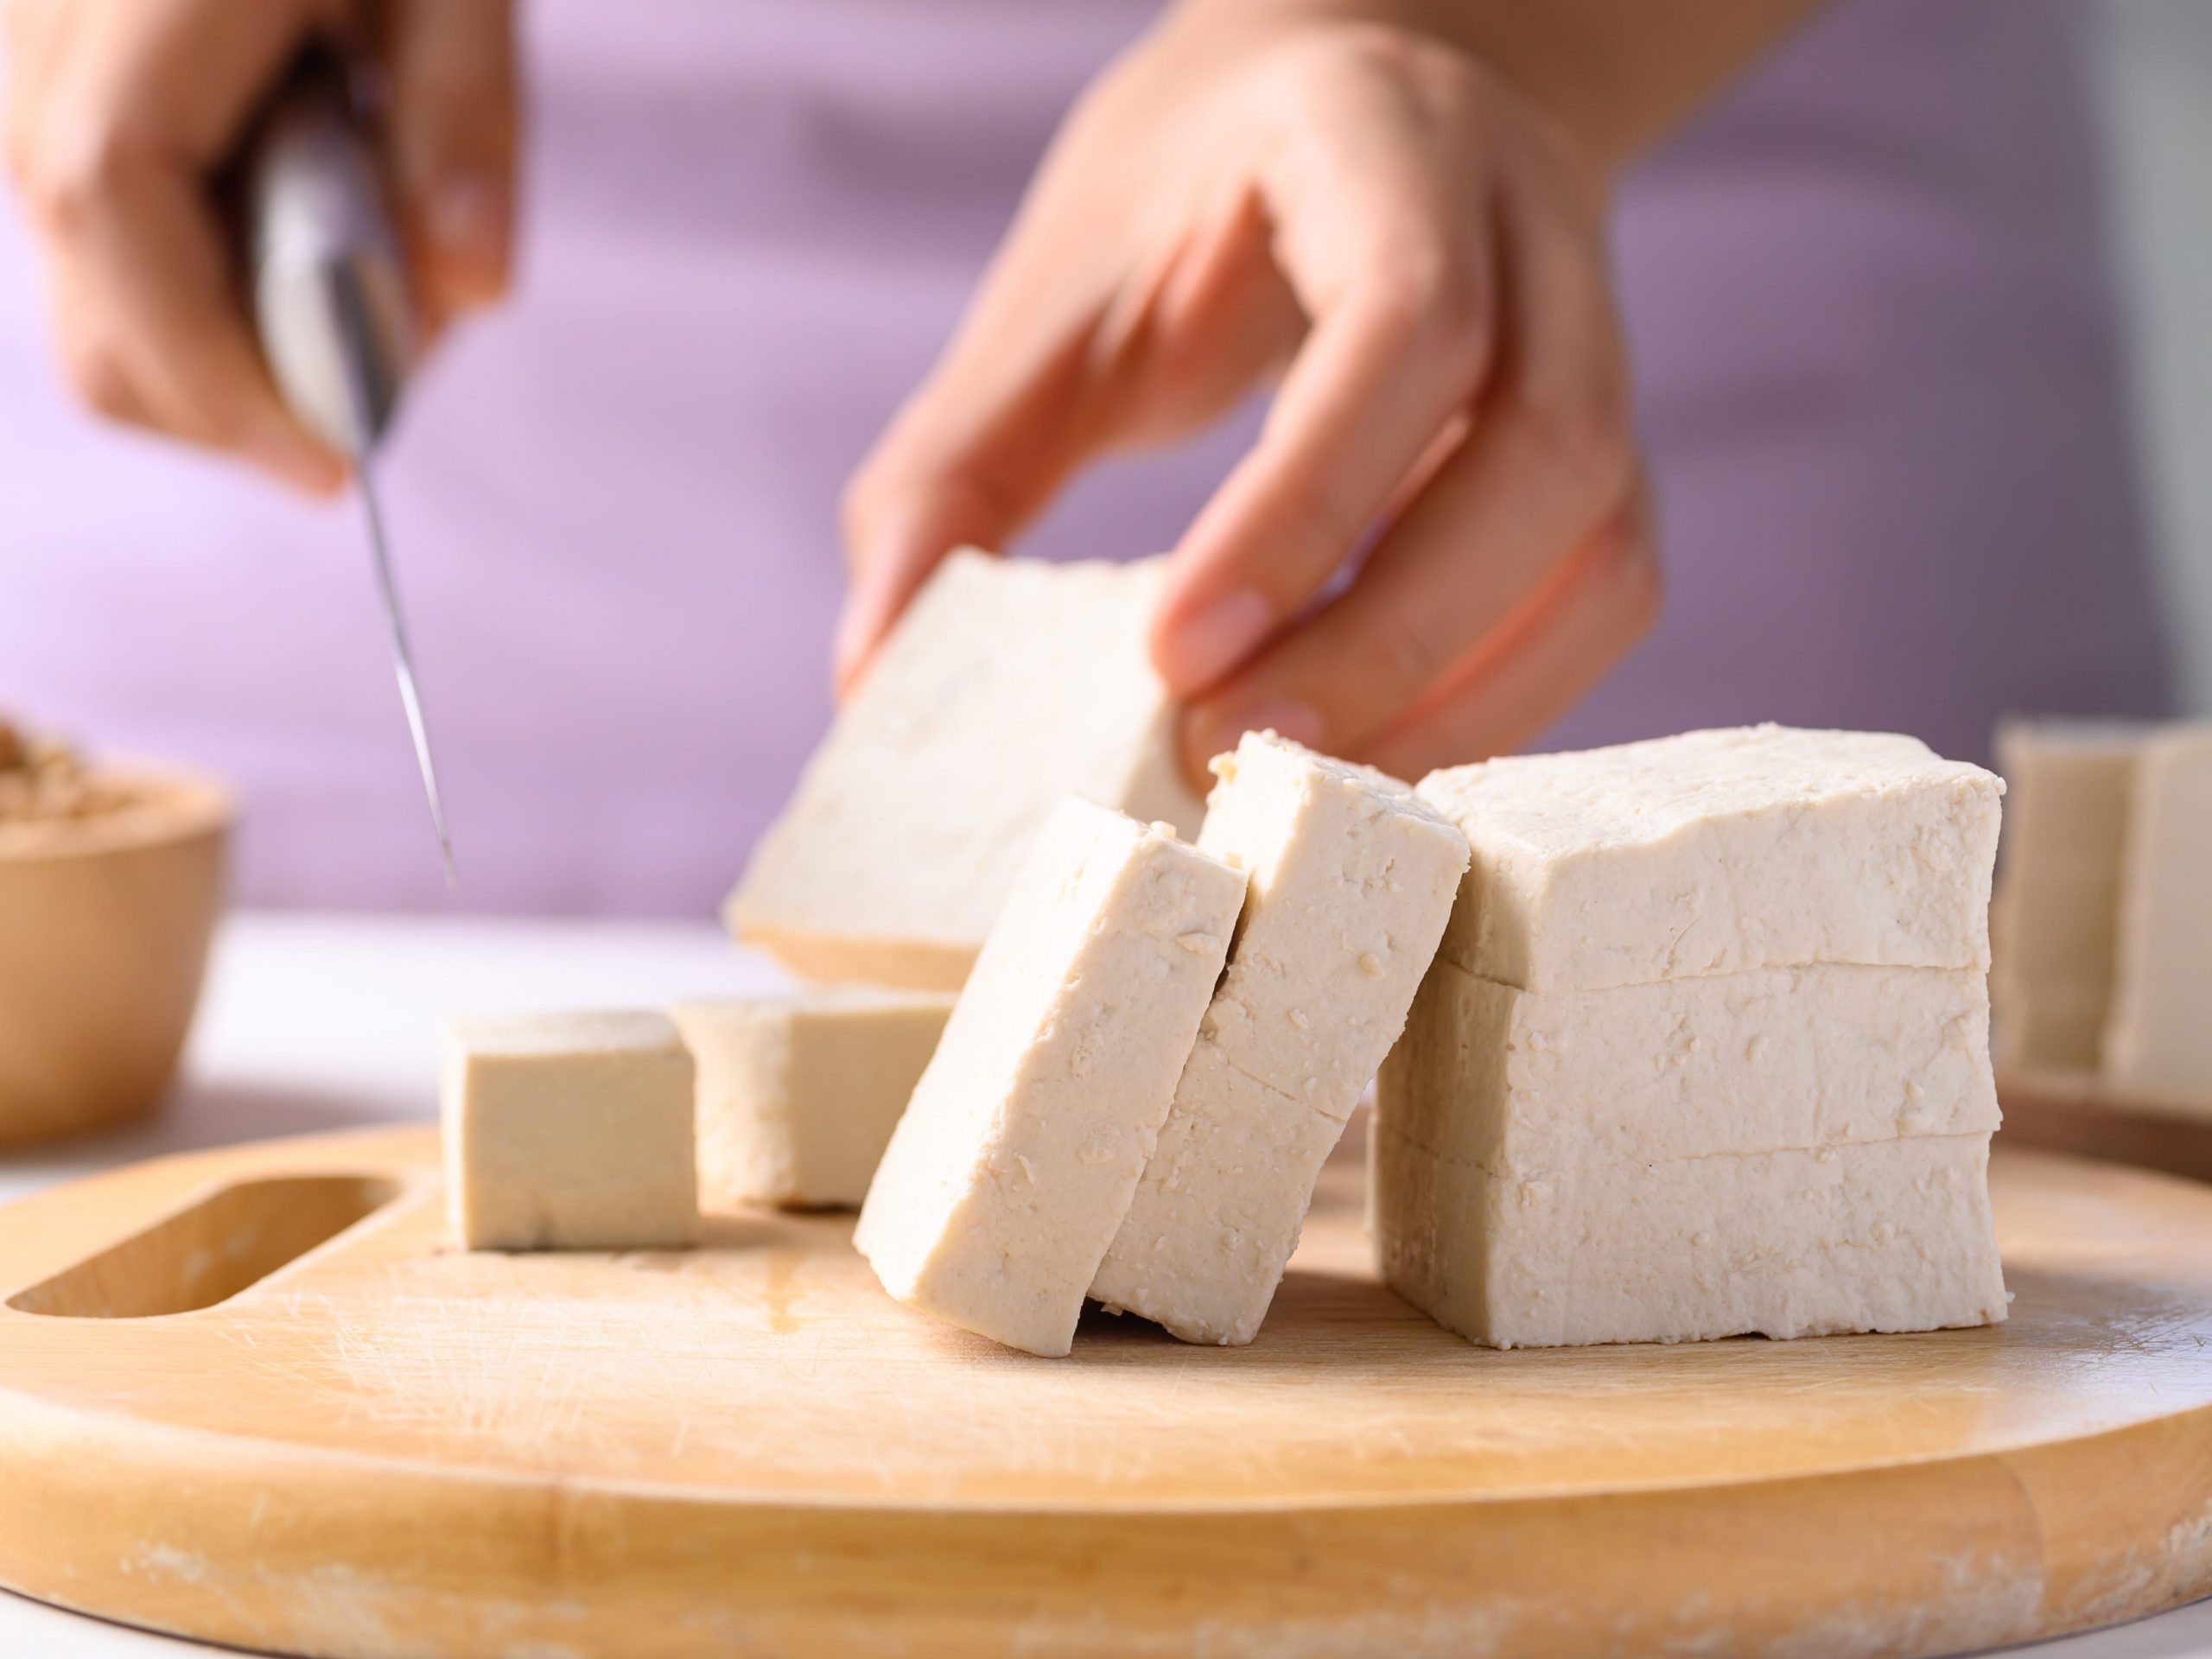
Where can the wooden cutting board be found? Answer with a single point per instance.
(2076, 1112)
(384, 1447)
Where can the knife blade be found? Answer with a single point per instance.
(330, 303)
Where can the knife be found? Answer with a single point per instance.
(330, 301)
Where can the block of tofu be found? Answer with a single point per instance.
(2159, 1043)
(569, 1131)
(2067, 788)
(2054, 919)
(1011, 1169)
(1351, 880)
(798, 1092)
(1715, 852)
(1007, 684)
(1885, 1235)
(1532, 1083)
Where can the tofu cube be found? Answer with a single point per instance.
(798, 1093)
(1009, 1174)
(1720, 851)
(2054, 919)
(1007, 684)
(1351, 878)
(2159, 1044)
(569, 1132)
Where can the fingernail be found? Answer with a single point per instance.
(1212, 641)
(1209, 731)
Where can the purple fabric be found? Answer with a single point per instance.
(1879, 370)
(1877, 377)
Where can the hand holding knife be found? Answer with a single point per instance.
(330, 301)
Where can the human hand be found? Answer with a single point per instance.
(121, 117)
(1373, 207)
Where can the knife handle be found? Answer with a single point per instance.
(328, 283)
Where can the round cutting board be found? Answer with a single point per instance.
(382, 1446)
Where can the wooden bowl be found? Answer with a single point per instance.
(105, 926)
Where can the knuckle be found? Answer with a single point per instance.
(1626, 567)
(1374, 45)
(1321, 515)
(1405, 655)
(1584, 435)
(1459, 317)
(1442, 82)
(1411, 57)
(68, 178)
(218, 420)
(1437, 292)
(101, 383)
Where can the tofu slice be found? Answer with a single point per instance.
(798, 1093)
(2055, 921)
(1015, 1161)
(1007, 684)
(569, 1132)
(1534, 1083)
(1887, 1236)
(2159, 1044)
(1352, 881)
(1720, 851)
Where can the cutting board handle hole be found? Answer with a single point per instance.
(228, 1241)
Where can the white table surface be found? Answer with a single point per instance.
(317, 1023)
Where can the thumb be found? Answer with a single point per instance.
(974, 455)
(455, 116)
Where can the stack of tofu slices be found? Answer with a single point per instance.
(1706, 1050)
(1694, 1031)
(1160, 1045)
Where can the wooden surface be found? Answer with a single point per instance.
(386, 1447)
(2074, 1112)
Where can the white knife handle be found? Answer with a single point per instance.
(329, 286)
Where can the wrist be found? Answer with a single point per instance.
(1615, 77)
(1537, 69)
